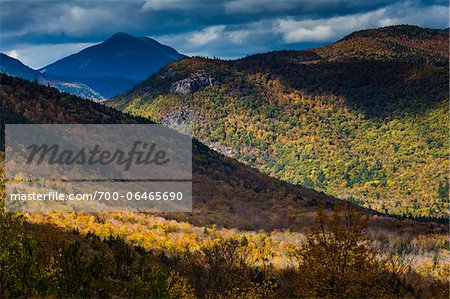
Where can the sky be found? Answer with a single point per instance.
(39, 32)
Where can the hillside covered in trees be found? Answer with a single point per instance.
(364, 119)
(219, 249)
(226, 192)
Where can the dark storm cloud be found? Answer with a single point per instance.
(39, 32)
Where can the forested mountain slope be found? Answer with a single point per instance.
(226, 192)
(364, 119)
(141, 255)
(396, 43)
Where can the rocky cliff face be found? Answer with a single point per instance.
(193, 83)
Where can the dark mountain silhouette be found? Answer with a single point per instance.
(16, 68)
(114, 65)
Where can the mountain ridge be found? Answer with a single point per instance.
(392, 43)
(16, 68)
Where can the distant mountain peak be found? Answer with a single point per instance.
(121, 34)
(116, 64)
(120, 37)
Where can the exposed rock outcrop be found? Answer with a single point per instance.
(193, 83)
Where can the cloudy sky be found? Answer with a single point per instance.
(39, 32)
